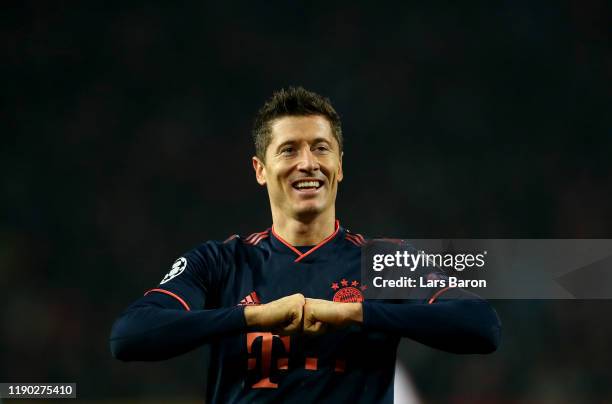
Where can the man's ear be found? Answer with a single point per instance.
(340, 173)
(260, 171)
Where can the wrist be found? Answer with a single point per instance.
(251, 315)
(354, 313)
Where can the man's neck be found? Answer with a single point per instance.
(305, 232)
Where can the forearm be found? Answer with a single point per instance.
(150, 330)
(252, 315)
(459, 325)
(353, 313)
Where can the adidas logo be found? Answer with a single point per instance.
(251, 298)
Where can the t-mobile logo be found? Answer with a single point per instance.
(267, 366)
(267, 341)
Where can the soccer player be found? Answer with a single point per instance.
(283, 309)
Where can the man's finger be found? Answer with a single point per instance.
(315, 328)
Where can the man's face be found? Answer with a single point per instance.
(303, 167)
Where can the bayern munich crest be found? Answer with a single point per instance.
(348, 292)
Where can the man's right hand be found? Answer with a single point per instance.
(282, 316)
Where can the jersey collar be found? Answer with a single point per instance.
(283, 244)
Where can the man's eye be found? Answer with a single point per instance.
(287, 150)
(322, 148)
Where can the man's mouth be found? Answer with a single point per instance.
(307, 184)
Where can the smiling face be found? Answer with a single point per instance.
(302, 168)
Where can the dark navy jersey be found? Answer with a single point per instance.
(218, 279)
(344, 365)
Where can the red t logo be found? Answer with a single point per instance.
(267, 340)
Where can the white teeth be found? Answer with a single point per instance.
(307, 184)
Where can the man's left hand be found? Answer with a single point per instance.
(321, 315)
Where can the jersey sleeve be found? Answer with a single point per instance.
(193, 276)
(171, 318)
(461, 322)
(449, 319)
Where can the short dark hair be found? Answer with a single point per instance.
(293, 101)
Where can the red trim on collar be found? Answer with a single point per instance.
(313, 249)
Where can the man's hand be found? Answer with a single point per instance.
(321, 315)
(282, 316)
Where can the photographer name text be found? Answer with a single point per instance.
(439, 264)
(424, 282)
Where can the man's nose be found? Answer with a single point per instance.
(308, 161)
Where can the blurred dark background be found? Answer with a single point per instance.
(126, 141)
